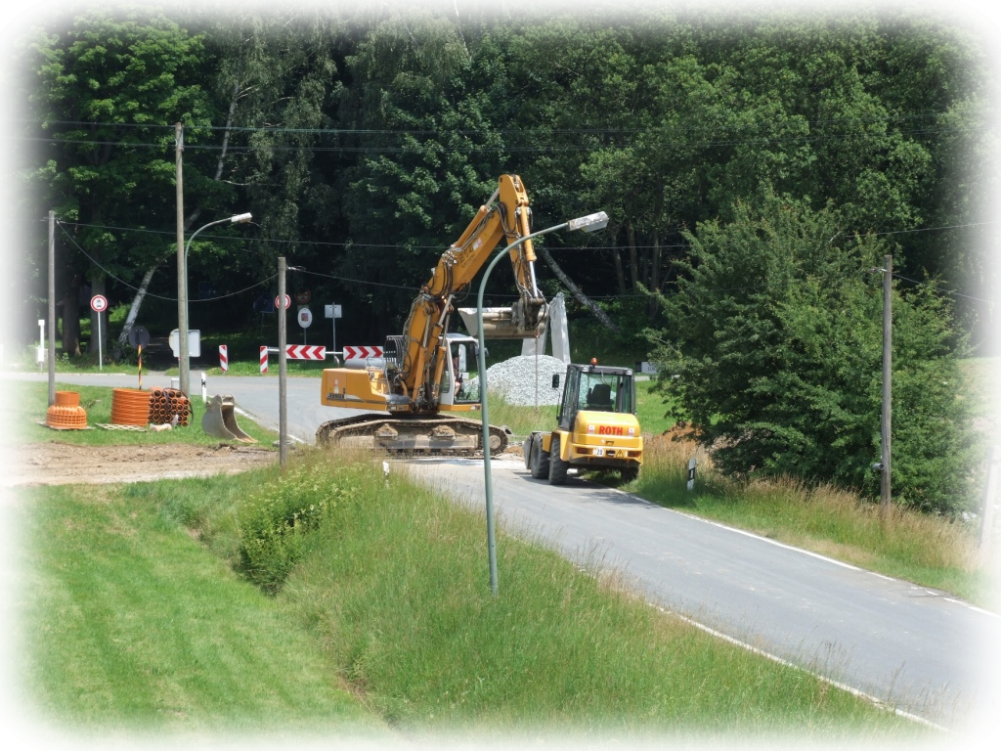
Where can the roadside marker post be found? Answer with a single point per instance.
(691, 474)
(223, 358)
(264, 360)
(987, 515)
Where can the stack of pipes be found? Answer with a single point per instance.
(169, 406)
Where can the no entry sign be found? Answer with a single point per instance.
(99, 303)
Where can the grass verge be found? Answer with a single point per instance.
(27, 403)
(133, 624)
(391, 587)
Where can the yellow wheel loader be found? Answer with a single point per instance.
(596, 427)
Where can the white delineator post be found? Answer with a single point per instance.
(987, 517)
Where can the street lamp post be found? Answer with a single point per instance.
(589, 223)
(182, 304)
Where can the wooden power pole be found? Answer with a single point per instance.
(885, 494)
(282, 368)
(52, 308)
(182, 271)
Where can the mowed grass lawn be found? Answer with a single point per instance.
(131, 622)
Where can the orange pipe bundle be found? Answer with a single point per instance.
(164, 404)
(129, 406)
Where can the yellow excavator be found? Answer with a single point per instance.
(418, 383)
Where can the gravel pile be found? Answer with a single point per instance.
(516, 380)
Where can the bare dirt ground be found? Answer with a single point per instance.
(59, 463)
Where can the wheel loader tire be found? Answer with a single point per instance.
(540, 460)
(557, 467)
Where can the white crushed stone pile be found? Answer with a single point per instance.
(517, 379)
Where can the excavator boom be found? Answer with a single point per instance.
(418, 364)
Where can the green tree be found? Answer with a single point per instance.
(109, 89)
(774, 350)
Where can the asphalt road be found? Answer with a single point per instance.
(918, 650)
(921, 651)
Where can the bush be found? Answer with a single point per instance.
(277, 522)
(775, 339)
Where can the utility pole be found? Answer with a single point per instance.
(282, 392)
(884, 502)
(52, 308)
(182, 270)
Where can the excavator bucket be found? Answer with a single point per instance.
(501, 323)
(219, 420)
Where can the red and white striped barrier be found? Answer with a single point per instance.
(223, 358)
(264, 360)
(361, 353)
(305, 352)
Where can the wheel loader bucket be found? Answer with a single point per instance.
(219, 420)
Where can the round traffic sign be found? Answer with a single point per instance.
(98, 303)
(303, 297)
(138, 336)
(305, 317)
(278, 302)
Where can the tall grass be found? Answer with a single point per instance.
(393, 585)
(929, 550)
(131, 624)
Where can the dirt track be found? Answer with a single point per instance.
(58, 463)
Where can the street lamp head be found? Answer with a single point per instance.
(590, 223)
(241, 218)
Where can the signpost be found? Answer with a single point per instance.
(333, 312)
(305, 319)
(99, 303)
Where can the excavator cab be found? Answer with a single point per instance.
(454, 387)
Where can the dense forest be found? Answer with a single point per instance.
(362, 141)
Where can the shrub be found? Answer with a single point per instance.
(774, 351)
(278, 521)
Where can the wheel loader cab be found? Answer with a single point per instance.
(596, 427)
(596, 389)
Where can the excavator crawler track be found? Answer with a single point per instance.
(422, 436)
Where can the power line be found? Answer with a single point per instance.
(940, 289)
(150, 294)
(328, 243)
(505, 146)
(887, 117)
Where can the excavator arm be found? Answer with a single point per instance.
(415, 359)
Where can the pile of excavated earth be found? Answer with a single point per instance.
(526, 381)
